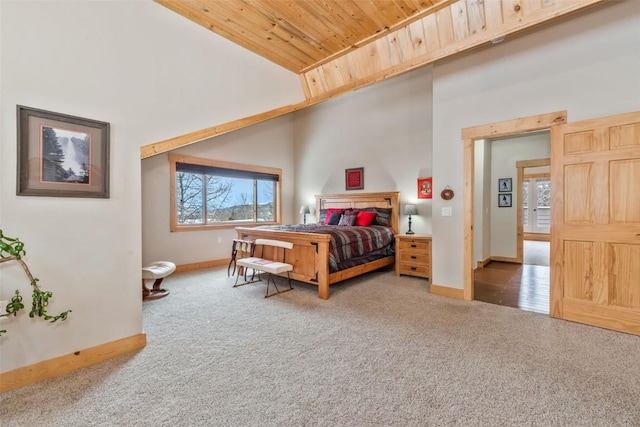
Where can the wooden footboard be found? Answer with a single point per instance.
(310, 253)
(309, 256)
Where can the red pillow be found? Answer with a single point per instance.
(365, 218)
(329, 212)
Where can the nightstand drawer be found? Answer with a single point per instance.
(414, 257)
(408, 245)
(414, 270)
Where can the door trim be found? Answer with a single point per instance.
(521, 165)
(492, 130)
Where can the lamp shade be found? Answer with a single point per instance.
(304, 209)
(410, 209)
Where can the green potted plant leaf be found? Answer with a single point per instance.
(12, 249)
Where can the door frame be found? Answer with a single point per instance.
(521, 165)
(488, 131)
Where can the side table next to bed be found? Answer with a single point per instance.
(413, 255)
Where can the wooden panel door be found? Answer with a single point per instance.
(595, 229)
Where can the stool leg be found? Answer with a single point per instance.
(155, 292)
(145, 291)
(156, 285)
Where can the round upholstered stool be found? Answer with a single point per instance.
(157, 271)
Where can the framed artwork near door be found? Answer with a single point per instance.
(504, 185)
(504, 200)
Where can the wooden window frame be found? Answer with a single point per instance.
(179, 158)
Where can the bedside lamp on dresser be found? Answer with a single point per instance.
(304, 210)
(410, 209)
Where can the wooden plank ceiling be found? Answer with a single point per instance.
(341, 45)
(302, 34)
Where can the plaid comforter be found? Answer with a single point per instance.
(346, 242)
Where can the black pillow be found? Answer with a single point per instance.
(334, 219)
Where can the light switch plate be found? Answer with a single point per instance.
(447, 211)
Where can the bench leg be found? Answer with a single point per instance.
(276, 286)
(246, 282)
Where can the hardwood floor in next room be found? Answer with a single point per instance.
(524, 286)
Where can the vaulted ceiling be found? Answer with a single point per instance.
(340, 45)
(300, 35)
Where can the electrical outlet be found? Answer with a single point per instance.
(219, 239)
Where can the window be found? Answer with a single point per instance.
(208, 193)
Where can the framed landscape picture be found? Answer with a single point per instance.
(61, 155)
(354, 179)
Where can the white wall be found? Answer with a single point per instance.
(482, 201)
(267, 144)
(588, 65)
(385, 128)
(504, 155)
(153, 75)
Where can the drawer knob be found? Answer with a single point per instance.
(413, 268)
(413, 246)
(413, 257)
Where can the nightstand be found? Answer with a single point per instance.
(413, 255)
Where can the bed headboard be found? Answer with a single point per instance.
(389, 199)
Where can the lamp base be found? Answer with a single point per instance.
(409, 232)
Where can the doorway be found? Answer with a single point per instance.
(491, 131)
(536, 203)
(595, 214)
(511, 243)
(534, 210)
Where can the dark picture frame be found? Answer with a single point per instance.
(504, 185)
(425, 188)
(504, 200)
(354, 179)
(61, 155)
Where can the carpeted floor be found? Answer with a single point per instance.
(382, 351)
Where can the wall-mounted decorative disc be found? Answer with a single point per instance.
(447, 193)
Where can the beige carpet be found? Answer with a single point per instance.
(382, 351)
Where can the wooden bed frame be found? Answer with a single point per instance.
(310, 253)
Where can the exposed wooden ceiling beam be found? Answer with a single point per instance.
(454, 29)
(460, 27)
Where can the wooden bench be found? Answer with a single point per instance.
(269, 265)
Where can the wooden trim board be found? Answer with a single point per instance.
(506, 259)
(539, 237)
(481, 264)
(41, 371)
(203, 264)
(445, 291)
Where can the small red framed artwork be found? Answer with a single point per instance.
(425, 188)
(354, 179)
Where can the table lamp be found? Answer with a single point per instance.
(410, 209)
